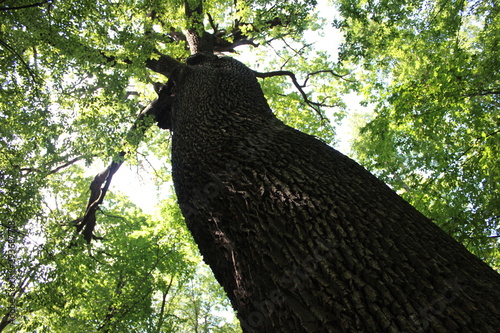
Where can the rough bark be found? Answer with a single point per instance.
(302, 238)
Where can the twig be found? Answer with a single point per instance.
(296, 52)
(327, 71)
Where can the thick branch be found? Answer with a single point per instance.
(98, 190)
(165, 64)
(7, 318)
(162, 63)
(199, 41)
(101, 182)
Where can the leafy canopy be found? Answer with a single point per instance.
(74, 76)
(431, 71)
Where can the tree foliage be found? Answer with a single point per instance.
(431, 71)
(137, 277)
(75, 75)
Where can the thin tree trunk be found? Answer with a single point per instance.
(161, 315)
(302, 238)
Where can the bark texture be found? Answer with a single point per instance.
(302, 238)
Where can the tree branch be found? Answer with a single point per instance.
(101, 182)
(327, 71)
(199, 41)
(15, 53)
(164, 64)
(313, 105)
(160, 63)
(484, 93)
(26, 6)
(65, 165)
(98, 189)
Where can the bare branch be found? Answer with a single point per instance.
(327, 71)
(313, 105)
(296, 52)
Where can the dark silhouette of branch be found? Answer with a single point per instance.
(57, 169)
(14, 52)
(327, 71)
(214, 26)
(26, 6)
(484, 93)
(98, 189)
(300, 87)
(163, 64)
(101, 182)
(159, 62)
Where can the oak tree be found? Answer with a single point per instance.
(301, 237)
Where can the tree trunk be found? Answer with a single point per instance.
(302, 238)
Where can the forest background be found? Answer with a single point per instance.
(73, 80)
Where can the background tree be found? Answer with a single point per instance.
(431, 70)
(70, 70)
